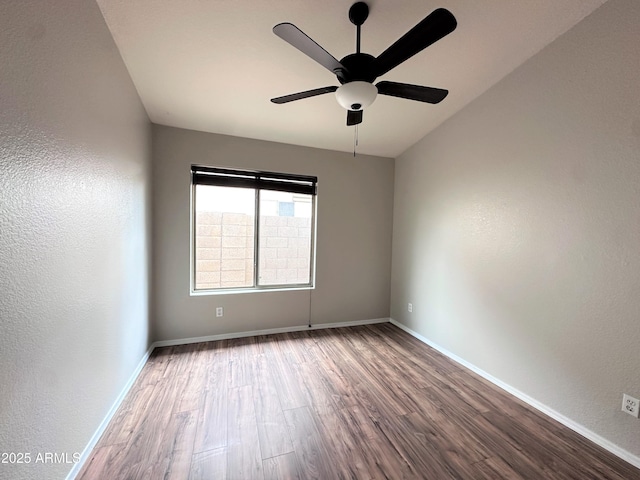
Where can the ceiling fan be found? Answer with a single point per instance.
(357, 72)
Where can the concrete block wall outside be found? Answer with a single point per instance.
(225, 249)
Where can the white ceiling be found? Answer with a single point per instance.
(213, 65)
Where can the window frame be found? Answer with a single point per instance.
(259, 181)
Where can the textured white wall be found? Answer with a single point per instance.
(355, 197)
(74, 153)
(517, 227)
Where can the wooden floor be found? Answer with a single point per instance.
(358, 402)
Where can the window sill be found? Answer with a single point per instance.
(202, 293)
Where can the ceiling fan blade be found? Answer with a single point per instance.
(300, 40)
(412, 92)
(301, 95)
(354, 117)
(432, 28)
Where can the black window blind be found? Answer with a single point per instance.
(224, 177)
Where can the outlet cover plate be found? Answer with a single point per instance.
(630, 405)
(219, 311)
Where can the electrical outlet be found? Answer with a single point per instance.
(219, 311)
(410, 307)
(630, 405)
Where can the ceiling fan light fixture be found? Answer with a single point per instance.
(356, 95)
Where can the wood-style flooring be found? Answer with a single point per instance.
(358, 402)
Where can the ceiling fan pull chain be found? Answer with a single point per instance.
(355, 139)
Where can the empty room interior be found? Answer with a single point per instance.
(262, 240)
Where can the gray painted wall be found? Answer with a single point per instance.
(517, 227)
(74, 189)
(354, 218)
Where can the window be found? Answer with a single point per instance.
(251, 230)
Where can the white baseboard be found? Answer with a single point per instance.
(576, 427)
(269, 331)
(109, 416)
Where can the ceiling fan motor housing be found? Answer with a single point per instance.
(358, 67)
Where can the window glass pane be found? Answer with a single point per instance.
(284, 238)
(224, 237)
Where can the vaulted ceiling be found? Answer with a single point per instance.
(213, 65)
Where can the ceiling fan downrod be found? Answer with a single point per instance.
(358, 14)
